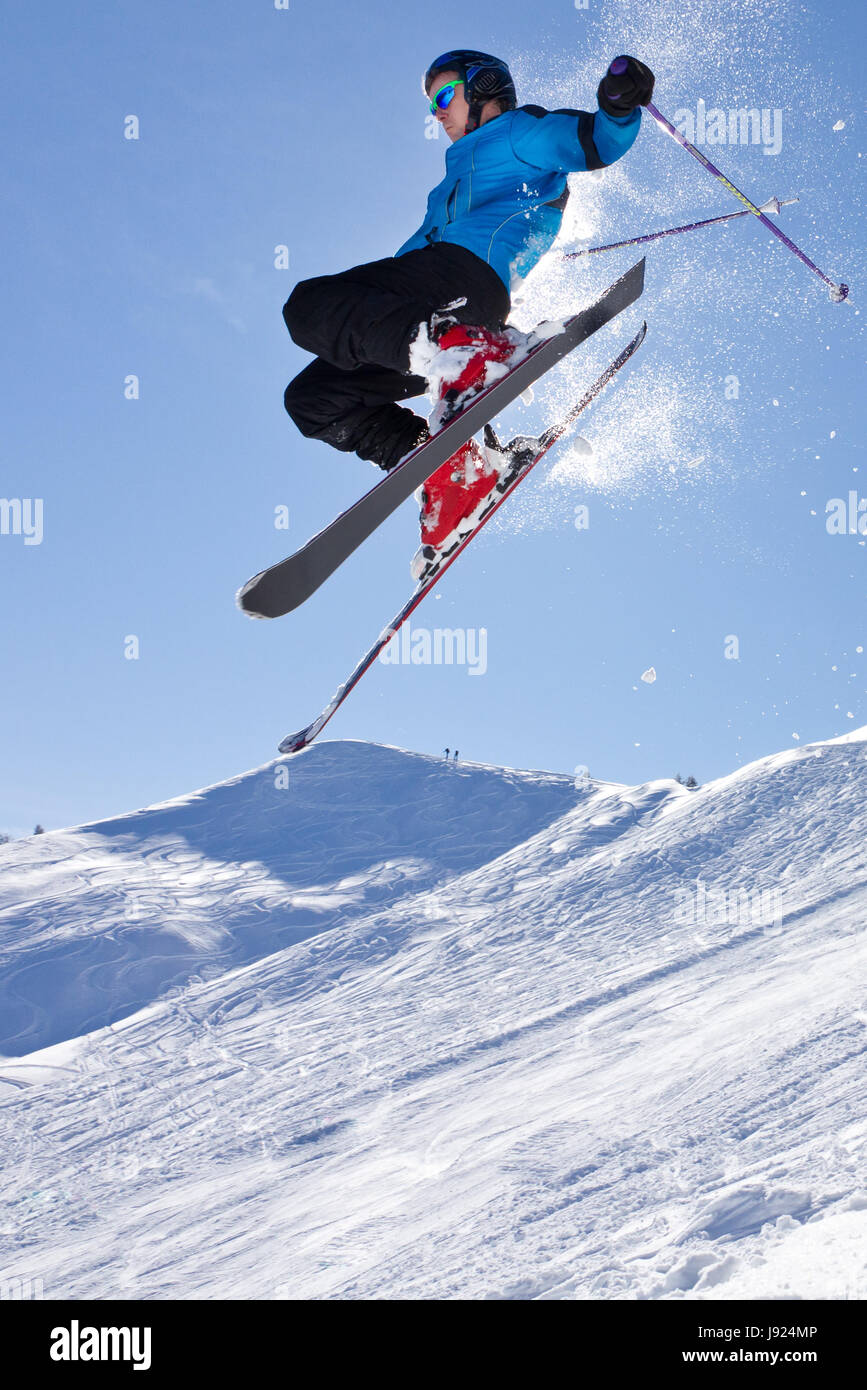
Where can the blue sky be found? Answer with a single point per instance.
(305, 127)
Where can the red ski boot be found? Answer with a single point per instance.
(474, 349)
(453, 495)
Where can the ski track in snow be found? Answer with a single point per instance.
(411, 1029)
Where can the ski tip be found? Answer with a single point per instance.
(247, 599)
(244, 597)
(251, 613)
(293, 743)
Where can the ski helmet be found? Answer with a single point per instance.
(485, 78)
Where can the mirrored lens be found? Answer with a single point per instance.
(444, 96)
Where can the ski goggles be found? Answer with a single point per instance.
(444, 95)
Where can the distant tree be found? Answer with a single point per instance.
(691, 782)
(4, 839)
(39, 830)
(678, 778)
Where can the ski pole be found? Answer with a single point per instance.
(838, 292)
(772, 205)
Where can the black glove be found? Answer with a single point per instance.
(630, 85)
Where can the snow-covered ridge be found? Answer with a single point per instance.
(98, 920)
(551, 1041)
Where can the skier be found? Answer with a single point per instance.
(496, 212)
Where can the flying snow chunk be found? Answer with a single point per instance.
(839, 125)
(649, 676)
(582, 445)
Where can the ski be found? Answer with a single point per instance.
(525, 453)
(287, 584)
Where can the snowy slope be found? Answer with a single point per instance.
(97, 921)
(498, 1056)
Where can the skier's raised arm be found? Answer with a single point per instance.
(573, 141)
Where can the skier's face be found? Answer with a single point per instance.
(454, 119)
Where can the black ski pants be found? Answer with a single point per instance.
(360, 324)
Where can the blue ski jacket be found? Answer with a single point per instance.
(505, 187)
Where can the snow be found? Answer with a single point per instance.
(412, 1029)
(440, 366)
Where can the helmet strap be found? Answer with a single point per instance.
(474, 119)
